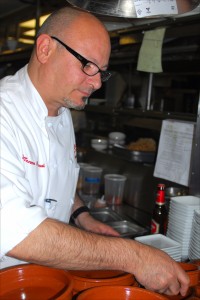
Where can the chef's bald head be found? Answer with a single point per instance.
(60, 21)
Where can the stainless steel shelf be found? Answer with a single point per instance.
(140, 113)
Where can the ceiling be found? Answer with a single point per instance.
(9, 6)
(12, 12)
(183, 30)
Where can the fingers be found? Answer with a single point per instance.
(184, 281)
(96, 226)
(171, 289)
(178, 285)
(161, 274)
(106, 230)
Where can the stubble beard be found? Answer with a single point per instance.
(70, 103)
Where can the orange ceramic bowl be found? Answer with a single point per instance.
(192, 271)
(197, 288)
(34, 282)
(196, 262)
(188, 266)
(87, 279)
(119, 293)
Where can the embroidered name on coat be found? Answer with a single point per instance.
(26, 160)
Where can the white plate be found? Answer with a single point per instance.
(158, 241)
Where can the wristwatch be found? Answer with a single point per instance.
(77, 212)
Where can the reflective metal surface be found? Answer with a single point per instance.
(128, 229)
(195, 160)
(126, 8)
(105, 214)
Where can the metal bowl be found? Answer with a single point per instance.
(175, 191)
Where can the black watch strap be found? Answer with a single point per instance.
(77, 212)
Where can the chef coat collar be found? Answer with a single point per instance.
(35, 99)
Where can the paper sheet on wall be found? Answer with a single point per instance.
(174, 151)
(150, 55)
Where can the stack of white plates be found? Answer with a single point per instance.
(194, 248)
(171, 247)
(180, 221)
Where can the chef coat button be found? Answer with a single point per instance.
(49, 124)
(71, 161)
(61, 125)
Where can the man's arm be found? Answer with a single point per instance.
(56, 244)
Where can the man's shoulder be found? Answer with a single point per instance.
(11, 87)
(10, 81)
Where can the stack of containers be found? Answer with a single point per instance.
(194, 247)
(160, 241)
(181, 213)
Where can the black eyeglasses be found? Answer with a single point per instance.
(89, 68)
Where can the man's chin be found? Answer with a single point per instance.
(72, 104)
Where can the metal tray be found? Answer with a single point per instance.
(105, 215)
(128, 229)
(136, 156)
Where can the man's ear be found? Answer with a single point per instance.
(43, 47)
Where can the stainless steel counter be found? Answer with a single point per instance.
(134, 214)
(131, 225)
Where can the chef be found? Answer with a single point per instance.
(38, 161)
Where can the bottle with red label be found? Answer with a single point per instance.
(160, 215)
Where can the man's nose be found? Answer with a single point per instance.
(96, 81)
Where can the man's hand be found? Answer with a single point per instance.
(158, 272)
(87, 222)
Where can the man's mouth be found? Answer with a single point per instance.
(87, 93)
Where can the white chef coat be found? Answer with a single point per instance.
(38, 162)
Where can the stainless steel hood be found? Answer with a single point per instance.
(121, 14)
(130, 8)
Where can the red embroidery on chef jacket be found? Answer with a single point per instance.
(75, 152)
(25, 159)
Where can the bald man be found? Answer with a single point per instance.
(39, 169)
